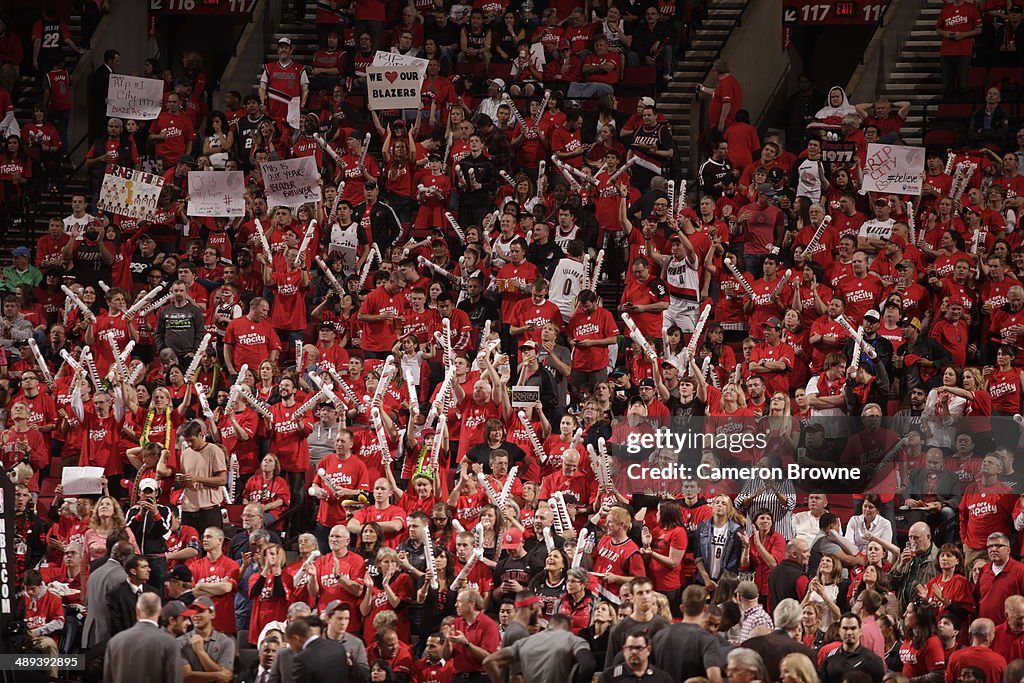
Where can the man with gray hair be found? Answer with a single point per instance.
(783, 640)
(743, 660)
(1000, 578)
(144, 644)
(979, 653)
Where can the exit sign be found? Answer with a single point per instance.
(837, 13)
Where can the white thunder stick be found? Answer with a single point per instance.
(816, 237)
(351, 395)
(506, 177)
(639, 339)
(204, 404)
(515, 111)
(387, 373)
(414, 404)
(428, 555)
(705, 370)
(595, 277)
(237, 387)
(156, 304)
(586, 282)
(492, 495)
(435, 447)
(327, 148)
(581, 542)
(367, 264)
(681, 198)
(136, 374)
(122, 369)
(622, 170)
(544, 105)
(382, 437)
(691, 348)
(193, 367)
(90, 364)
(782, 283)
(259, 406)
(742, 280)
(541, 179)
(43, 368)
(263, 238)
(577, 438)
(858, 339)
(143, 301)
(474, 557)
(308, 405)
(950, 158)
(104, 286)
(126, 352)
(329, 275)
(86, 312)
(299, 353)
(556, 519)
(604, 475)
(538, 448)
(306, 239)
(867, 348)
(455, 225)
(446, 324)
(549, 542)
(447, 148)
(75, 365)
(330, 485)
(424, 261)
(562, 511)
(671, 195)
(506, 488)
(366, 148)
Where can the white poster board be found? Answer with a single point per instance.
(216, 193)
(78, 481)
(395, 59)
(127, 192)
(292, 182)
(393, 87)
(894, 169)
(131, 97)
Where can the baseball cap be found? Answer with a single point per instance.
(747, 590)
(973, 209)
(21, 251)
(180, 572)
(776, 174)
(881, 201)
(199, 606)
(333, 605)
(149, 484)
(326, 325)
(767, 189)
(899, 240)
(172, 610)
(647, 101)
(911, 322)
(186, 160)
(669, 364)
(528, 344)
(500, 82)
(618, 372)
(512, 539)
(774, 322)
(905, 263)
(872, 315)
(647, 383)
(284, 39)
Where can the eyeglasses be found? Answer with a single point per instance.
(997, 545)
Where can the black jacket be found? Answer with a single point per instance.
(839, 661)
(782, 581)
(121, 606)
(483, 171)
(773, 647)
(319, 662)
(384, 223)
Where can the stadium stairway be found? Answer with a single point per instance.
(28, 93)
(692, 68)
(916, 74)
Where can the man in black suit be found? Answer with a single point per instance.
(123, 598)
(99, 82)
(317, 660)
(774, 646)
(933, 495)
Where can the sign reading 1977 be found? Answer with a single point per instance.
(227, 8)
(836, 13)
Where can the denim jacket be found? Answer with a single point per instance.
(730, 554)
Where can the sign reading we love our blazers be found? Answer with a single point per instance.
(395, 86)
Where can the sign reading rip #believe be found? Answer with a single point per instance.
(894, 169)
(393, 87)
(292, 182)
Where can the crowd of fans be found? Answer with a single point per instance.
(405, 418)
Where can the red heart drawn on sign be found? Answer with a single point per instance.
(392, 76)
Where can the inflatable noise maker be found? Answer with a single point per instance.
(638, 338)
(428, 555)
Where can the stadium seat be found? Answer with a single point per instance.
(943, 137)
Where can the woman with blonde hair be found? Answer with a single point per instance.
(107, 517)
(603, 618)
(160, 421)
(978, 408)
(390, 590)
(797, 668)
(268, 489)
(718, 546)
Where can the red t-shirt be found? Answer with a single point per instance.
(224, 569)
(958, 19)
(252, 342)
